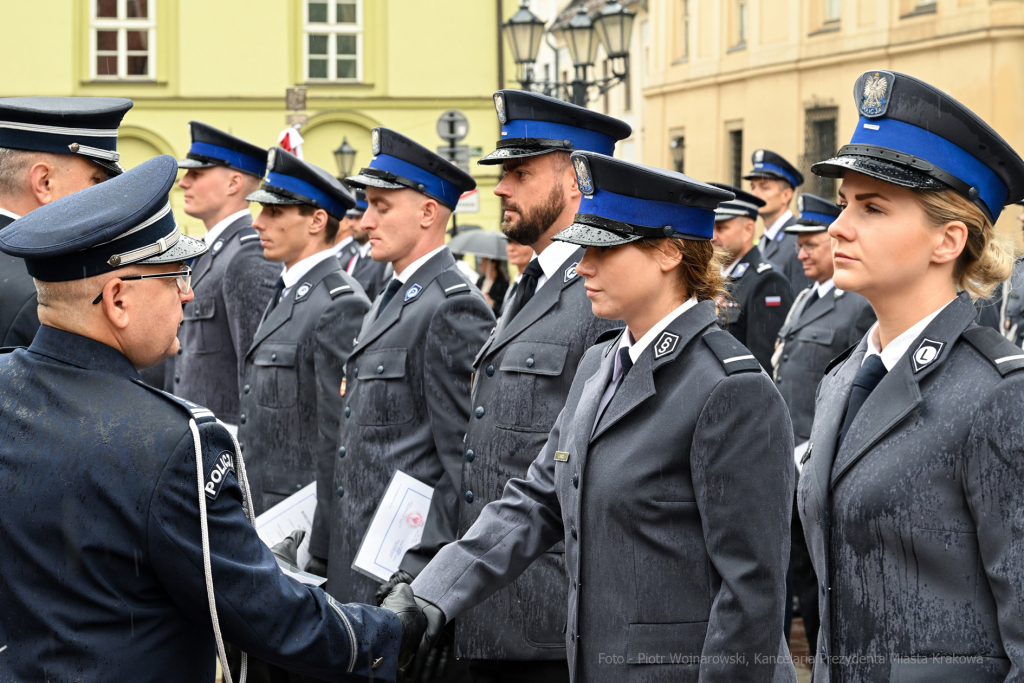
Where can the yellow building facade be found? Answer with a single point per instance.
(726, 77)
(365, 63)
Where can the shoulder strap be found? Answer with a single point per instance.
(608, 335)
(763, 266)
(452, 283)
(1002, 353)
(197, 412)
(247, 235)
(336, 285)
(840, 358)
(733, 356)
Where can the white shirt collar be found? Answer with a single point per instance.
(900, 345)
(364, 249)
(553, 257)
(213, 233)
(9, 214)
(336, 249)
(291, 276)
(637, 347)
(824, 288)
(771, 232)
(410, 269)
(727, 271)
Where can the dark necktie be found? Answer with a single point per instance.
(527, 286)
(811, 298)
(625, 360)
(278, 289)
(868, 377)
(389, 294)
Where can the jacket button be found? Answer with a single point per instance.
(245, 389)
(348, 411)
(529, 362)
(179, 351)
(469, 496)
(470, 455)
(341, 492)
(779, 381)
(785, 356)
(490, 371)
(479, 412)
(298, 487)
(814, 335)
(822, 588)
(177, 379)
(241, 446)
(355, 373)
(273, 356)
(576, 481)
(380, 369)
(242, 418)
(341, 452)
(572, 530)
(791, 335)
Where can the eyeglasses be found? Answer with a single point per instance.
(183, 278)
(810, 247)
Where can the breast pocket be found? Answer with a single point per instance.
(199, 330)
(531, 388)
(817, 342)
(276, 381)
(384, 396)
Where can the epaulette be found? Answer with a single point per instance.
(246, 235)
(840, 358)
(733, 356)
(1003, 353)
(763, 266)
(452, 283)
(336, 285)
(608, 335)
(197, 412)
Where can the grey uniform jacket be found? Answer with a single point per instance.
(232, 283)
(810, 338)
(406, 408)
(759, 299)
(19, 318)
(291, 399)
(915, 525)
(782, 252)
(674, 511)
(347, 253)
(1012, 305)
(369, 274)
(521, 379)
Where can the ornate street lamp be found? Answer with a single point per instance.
(345, 157)
(524, 32)
(581, 39)
(614, 27)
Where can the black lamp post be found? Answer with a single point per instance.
(345, 156)
(612, 28)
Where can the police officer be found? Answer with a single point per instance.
(774, 180)
(129, 551)
(911, 488)
(291, 399)
(408, 378)
(1011, 300)
(233, 281)
(49, 148)
(823, 322)
(667, 475)
(345, 246)
(758, 294)
(369, 273)
(523, 373)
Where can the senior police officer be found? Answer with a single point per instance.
(774, 180)
(233, 281)
(369, 273)
(129, 551)
(823, 322)
(49, 148)
(759, 295)
(291, 398)
(408, 378)
(667, 475)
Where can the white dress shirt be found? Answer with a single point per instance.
(637, 347)
(771, 232)
(291, 276)
(900, 345)
(823, 288)
(213, 233)
(9, 214)
(411, 269)
(336, 249)
(551, 258)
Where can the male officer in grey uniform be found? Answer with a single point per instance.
(129, 550)
(49, 148)
(523, 373)
(774, 180)
(345, 245)
(233, 281)
(759, 295)
(369, 273)
(407, 396)
(1011, 300)
(822, 323)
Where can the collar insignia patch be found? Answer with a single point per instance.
(926, 354)
(413, 292)
(665, 344)
(570, 272)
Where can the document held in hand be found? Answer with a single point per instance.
(396, 526)
(294, 512)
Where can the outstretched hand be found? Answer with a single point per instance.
(400, 600)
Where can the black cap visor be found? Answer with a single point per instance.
(521, 148)
(185, 249)
(805, 227)
(880, 169)
(771, 175)
(265, 196)
(588, 230)
(385, 180)
(112, 168)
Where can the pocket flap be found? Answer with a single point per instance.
(276, 354)
(816, 335)
(535, 357)
(666, 643)
(200, 309)
(382, 364)
(285, 482)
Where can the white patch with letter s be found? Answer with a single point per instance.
(215, 480)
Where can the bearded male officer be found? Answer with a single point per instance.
(129, 551)
(49, 148)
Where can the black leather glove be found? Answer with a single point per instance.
(400, 600)
(317, 566)
(398, 577)
(288, 548)
(436, 650)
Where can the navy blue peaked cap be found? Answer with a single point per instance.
(125, 221)
(212, 147)
(290, 180)
(360, 208)
(742, 204)
(768, 164)
(399, 162)
(914, 135)
(816, 214)
(625, 202)
(533, 124)
(84, 126)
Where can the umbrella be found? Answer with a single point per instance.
(480, 243)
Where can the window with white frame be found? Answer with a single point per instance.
(741, 21)
(123, 39)
(334, 40)
(833, 10)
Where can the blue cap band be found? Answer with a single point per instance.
(777, 169)
(55, 143)
(581, 138)
(649, 213)
(936, 150)
(436, 187)
(242, 162)
(304, 189)
(822, 218)
(360, 207)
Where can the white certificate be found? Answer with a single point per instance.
(396, 526)
(294, 512)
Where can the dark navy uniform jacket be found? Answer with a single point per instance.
(101, 574)
(759, 299)
(18, 317)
